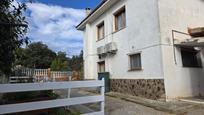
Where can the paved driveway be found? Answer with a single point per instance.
(116, 106)
(113, 106)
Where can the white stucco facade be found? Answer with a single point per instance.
(179, 15)
(149, 25)
(142, 25)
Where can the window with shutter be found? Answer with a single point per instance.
(135, 62)
(100, 31)
(120, 19)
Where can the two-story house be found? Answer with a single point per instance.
(145, 46)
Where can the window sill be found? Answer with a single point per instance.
(136, 69)
(119, 30)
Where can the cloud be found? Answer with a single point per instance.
(55, 26)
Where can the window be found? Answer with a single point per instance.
(190, 57)
(120, 19)
(101, 66)
(101, 31)
(135, 62)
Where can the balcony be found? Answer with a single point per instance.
(194, 37)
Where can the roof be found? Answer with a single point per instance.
(98, 6)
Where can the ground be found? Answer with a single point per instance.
(115, 106)
(120, 104)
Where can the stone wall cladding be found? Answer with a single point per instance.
(148, 88)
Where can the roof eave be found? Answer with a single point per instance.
(82, 25)
(106, 4)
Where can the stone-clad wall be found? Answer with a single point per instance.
(148, 88)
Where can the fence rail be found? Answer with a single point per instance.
(29, 106)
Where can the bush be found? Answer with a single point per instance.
(27, 96)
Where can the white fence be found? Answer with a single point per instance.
(29, 106)
(38, 75)
(17, 79)
(41, 72)
(60, 74)
(44, 72)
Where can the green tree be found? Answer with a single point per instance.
(36, 55)
(62, 56)
(21, 56)
(60, 63)
(12, 32)
(76, 62)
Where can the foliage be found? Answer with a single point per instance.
(60, 63)
(62, 56)
(27, 96)
(58, 111)
(36, 55)
(12, 32)
(63, 111)
(82, 72)
(75, 113)
(21, 57)
(76, 62)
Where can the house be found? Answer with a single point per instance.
(146, 47)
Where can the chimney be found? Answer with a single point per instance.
(88, 11)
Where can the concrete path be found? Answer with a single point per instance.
(160, 107)
(198, 100)
(121, 106)
(115, 106)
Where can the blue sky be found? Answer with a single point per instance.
(53, 23)
(79, 4)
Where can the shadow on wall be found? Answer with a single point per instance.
(197, 77)
(190, 80)
(202, 76)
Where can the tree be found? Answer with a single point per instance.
(12, 33)
(38, 55)
(76, 62)
(21, 56)
(62, 56)
(60, 63)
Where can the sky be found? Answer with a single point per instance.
(53, 23)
